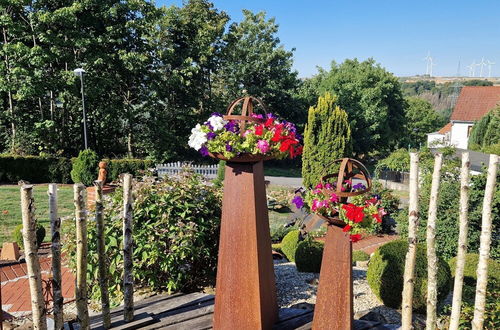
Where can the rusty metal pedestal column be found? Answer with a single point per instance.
(246, 290)
(334, 302)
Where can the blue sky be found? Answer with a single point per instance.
(396, 33)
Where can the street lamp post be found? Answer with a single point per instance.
(80, 72)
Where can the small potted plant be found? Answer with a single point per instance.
(248, 137)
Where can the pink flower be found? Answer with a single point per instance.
(319, 186)
(247, 132)
(328, 186)
(315, 205)
(263, 146)
(334, 198)
(381, 212)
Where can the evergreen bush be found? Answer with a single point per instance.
(221, 170)
(289, 244)
(386, 269)
(471, 261)
(34, 169)
(126, 165)
(309, 255)
(359, 255)
(486, 133)
(85, 167)
(327, 137)
(17, 235)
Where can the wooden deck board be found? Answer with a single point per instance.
(194, 312)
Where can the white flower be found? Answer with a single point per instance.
(197, 138)
(217, 122)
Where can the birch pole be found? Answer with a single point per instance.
(484, 247)
(431, 245)
(101, 252)
(81, 256)
(409, 274)
(128, 277)
(462, 242)
(31, 255)
(55, 226)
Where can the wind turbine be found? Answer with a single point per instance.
(489, 67)
(472, 69)
(428, 59)
(482, 64)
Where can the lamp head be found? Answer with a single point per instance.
(79, 71)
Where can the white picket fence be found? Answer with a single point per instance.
(208, 171)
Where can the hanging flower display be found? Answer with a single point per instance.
(262, 136)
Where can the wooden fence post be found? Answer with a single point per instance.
(484, 248)
(81, 256)
(101, 252)
(462, 242)
(31, 255)
(55, 226)
(431, 245)
(409, 274)
(128, 277)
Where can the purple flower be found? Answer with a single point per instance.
(298, 201)
(204, 151)
(228, 147)
(209, 125)
(231, 126)
(211, 135)
(359, 186)
(254, 115)
(270, 115)
(377, 197)
(216, 114)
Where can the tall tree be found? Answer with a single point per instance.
(420, 119)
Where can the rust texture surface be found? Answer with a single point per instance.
(334, 302)
(245, 289)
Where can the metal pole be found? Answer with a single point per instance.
(84, 115)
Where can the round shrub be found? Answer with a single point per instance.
(471, 260)
(85, 167)
(308, 256)
(386, 269)
(289, 244)
(360, 255)
(176, 233)
(17, 235)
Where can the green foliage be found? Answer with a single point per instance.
(485, 134)
(279, 232)
(386, 269)
(471, 261)
(289, 244)
(359, 255)
(398, 160)
(421, 119)
(390, 203)
(309, 255)
(373, 100)
(176, 230)
(447, 228)
(35, 169)
(327, 137)
(85, 167)
(135, 167)
(276, 247)
(221, 173)
(17, 235)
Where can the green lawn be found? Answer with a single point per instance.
(10, 208)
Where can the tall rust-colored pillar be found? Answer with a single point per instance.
(334, 302)
(246, 291)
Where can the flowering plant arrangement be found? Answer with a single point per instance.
(361, 214)
(267, 136)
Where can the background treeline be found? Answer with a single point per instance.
(152, 73)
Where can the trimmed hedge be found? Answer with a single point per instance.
(17, 235)
(35, 169)
(359, 255)
(386, 269)
(85, 167)
(126, 165)
(471, 260)
(308, 256)
(289, 244)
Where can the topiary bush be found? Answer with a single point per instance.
(308, 256)
(359, 256)
(17, 235)
(386, 269)
(221, 170)
(126, 165)
(34, 169)
(471, 261)
(176, 232)
(85, 167)
(289, 244)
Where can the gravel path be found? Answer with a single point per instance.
(295, 288)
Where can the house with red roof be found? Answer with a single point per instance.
(473, 103)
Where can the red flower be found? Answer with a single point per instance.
(287, 144)
(355, 238)
(259, 130)
(353, 212)
(346, 228)
(277, 133)
(372, 201)
(269, 122)
(377, 217)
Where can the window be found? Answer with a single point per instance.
(469, 129)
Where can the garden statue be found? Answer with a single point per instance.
(245, 290)
(102, 172)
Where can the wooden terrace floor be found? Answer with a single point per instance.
(194, 312)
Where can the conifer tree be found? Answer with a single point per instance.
(327, 137)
